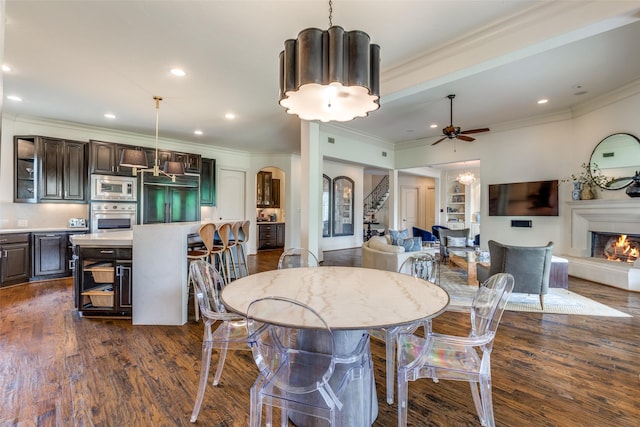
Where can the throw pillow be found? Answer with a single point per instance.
(411, 244)
(398, 234)
(459, 242)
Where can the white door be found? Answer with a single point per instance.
(231, 188)
(409, 207)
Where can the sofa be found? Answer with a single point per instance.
(379, 253)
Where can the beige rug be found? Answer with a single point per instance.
(557, 301)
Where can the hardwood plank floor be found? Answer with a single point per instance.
(57, 369)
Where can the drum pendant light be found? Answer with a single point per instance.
(331, 75)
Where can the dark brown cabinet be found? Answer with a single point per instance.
(50, 170)
(105, 158)
(264, 198)
(14, 258)
(25, 170)
(270, 236)
(49, 254)
(208, 183)
(192, 162)
(103, 281)
(275, 193)
(62, 170)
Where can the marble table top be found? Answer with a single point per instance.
(346, 297)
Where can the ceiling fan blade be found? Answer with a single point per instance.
(465, 138)
(466, 132)
(439, 141)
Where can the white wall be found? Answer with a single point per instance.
(538, 152)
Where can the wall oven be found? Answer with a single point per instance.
(108, 187)
(112, 216)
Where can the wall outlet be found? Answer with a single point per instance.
(23, 223)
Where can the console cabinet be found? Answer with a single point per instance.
(14, 259)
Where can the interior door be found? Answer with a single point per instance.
(409, 207)
(231, 194)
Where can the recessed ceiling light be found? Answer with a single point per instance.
(197, 132)
(178, 72)
(229, 116)
(14, 98)
(6, 68)
(433, 126)
(543, 101)
(110, 116)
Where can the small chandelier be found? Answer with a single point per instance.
(137, 159)
(331, 75)
(466, 178)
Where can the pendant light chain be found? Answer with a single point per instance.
(330, 14)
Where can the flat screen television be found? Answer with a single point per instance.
(536, 198)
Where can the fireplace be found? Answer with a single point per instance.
(595, 230)
(615, 246)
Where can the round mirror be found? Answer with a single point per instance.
(618, 158)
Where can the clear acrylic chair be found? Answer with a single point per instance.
(423, 266)
(300, 370)
(297, 257)
(446, 357)
(231, 333)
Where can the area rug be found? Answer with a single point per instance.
(557, 301)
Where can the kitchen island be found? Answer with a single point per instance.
(159, 268)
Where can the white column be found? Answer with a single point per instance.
(394, 199)
(310, 186)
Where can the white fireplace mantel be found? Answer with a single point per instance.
(621, 216)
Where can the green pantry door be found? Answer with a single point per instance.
(166, 201)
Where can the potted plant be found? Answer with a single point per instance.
(587, 182)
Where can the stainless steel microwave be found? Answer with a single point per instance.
(108, 187)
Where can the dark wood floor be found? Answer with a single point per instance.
(57, 369)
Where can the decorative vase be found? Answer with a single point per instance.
(587, 193)
(575, 194)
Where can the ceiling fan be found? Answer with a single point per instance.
(452, 132)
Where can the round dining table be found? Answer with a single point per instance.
(351, 300)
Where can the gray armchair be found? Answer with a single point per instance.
(530, 267)
(445, 248)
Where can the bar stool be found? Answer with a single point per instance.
(245, 228)
(192, 255)
(233, 244)
(207, 233)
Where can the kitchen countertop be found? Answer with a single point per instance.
(40, 229)
(111, 239)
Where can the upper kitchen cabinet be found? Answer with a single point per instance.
(208, 182)
(25, 190)
(192, 162)
(105, 158)
(263, 190)
(50, 170)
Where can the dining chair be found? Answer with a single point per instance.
(297, 257)
(446, 357)
(423, 266)
(301, 373)
(231, 332)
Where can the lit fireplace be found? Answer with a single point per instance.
(615, 247)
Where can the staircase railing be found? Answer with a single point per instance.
(374, 201)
